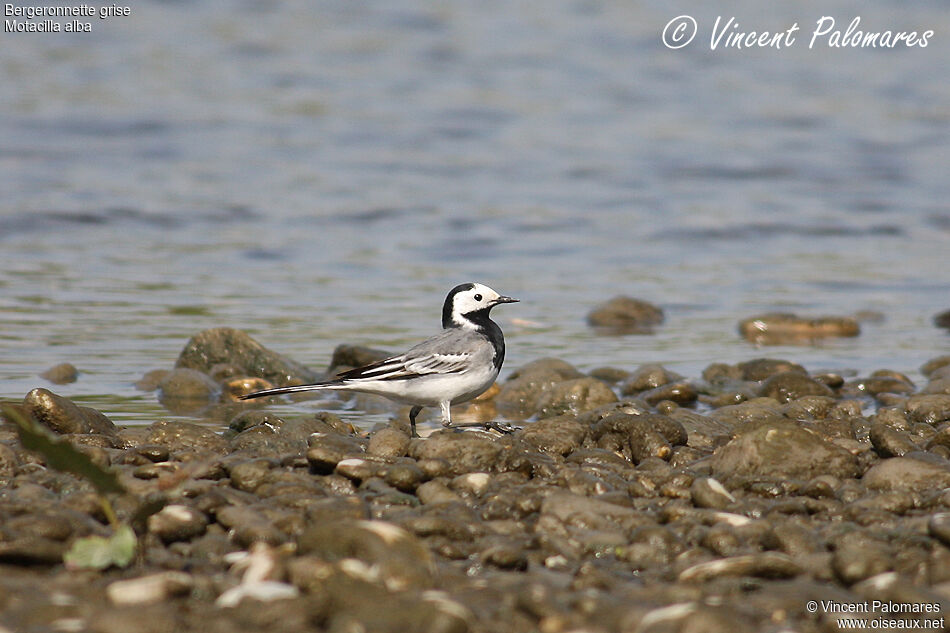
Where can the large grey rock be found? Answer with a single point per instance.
(777, 449)
(574, 396)
(518, 397)
(464, 452)
(225, 345)
(625, 315)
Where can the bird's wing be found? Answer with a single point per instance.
(436, 355)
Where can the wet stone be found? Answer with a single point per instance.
(250, 474)
(32, 550)
(788, 386)
(254, 417)
(8, 463)
(153, 452)
(939, 527)
(781, 450)
(249, 524)
(151, 380)
(647, 377)
(760, 369)
(347, 356)
(763, 565)
(233, 347)
(610, 375)
(556, 436)
(937, 386)
(388, 442)
(435, 492)
(61, 374)
(935, 364)
(707, 492)
(62, 415)
(574, 396)
(625, 315)
(519, 395)
(889, 442)
(464, 452)
(329, 449)
(781, 328)
(177, 435)
(908, 474)
(184, 386)
(237, 387)
(149, 589)
(681, 393)
(929, 409)
(858, 558)
(177, 523)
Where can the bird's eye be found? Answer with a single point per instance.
(478, 297)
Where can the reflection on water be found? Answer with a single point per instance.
(325, 172)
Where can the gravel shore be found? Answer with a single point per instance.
(756, 497)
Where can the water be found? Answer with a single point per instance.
(321, 172)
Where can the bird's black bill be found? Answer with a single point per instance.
(505, 300)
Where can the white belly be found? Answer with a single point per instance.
(430, 390)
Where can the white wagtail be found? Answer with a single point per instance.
(456, 365)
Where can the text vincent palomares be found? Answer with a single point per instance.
(727, 34)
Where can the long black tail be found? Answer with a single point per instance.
(333, 384)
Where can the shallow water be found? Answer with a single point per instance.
(318, 173)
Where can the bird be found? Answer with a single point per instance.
(456, 365)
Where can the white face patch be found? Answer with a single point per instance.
(478, 298)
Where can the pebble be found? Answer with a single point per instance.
(187, 384)
(707, 492)
(149, 589)
(625, 315)
(177, 523)
(263, 591)
(781, 328)
(61, 374)
(939, 527)
(62, 415)
(647, 377)
(388, 442)
(790, 385)
(907, 474)
(762, 565)
(250, 474)
(177, 435)
(929, 409)
(889, 442)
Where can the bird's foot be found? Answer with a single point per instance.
(500, 427)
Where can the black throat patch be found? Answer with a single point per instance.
(490, 330)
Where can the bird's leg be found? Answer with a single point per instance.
(446, 413)
(413, 412)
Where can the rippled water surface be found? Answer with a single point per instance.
(323, 172)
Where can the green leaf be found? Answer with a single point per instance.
(97, 552)
(60, 454)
